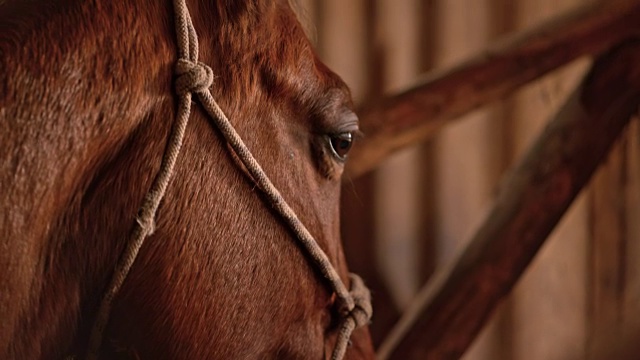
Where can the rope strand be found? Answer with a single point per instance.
(144, 225)
(193, 77)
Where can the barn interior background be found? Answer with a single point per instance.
(414, 212)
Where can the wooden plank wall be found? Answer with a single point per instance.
(411, 215)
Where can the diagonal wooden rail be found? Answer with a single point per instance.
(450, 311)
(417, 114)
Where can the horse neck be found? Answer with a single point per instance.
(78, 79)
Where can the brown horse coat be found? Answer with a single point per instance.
(86, 104)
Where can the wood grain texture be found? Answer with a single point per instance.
(451, 310)
(608, 245)
(418, 113)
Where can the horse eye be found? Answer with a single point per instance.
(340, 144)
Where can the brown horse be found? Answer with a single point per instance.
(86, 107)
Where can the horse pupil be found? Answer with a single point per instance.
(341, 144)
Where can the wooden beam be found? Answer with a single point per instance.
(417, 114)
(451, 310)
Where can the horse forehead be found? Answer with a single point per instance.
(290, 59)
(306, 79)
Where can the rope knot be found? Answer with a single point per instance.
(192, 76)
(146, 216)
(362, 309)
(357, 315)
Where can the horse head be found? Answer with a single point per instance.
(87, 104)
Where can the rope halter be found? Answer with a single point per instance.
(193, 77)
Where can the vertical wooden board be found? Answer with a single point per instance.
(536, 102)
(631, 310)
(462, 157)
(396, 224)
(607, 249)
(550, 301)
(426, 248)
(398, 32)
(343, 41)
(495, 341)
(396, 185)
(467, 154)
(357, 234)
